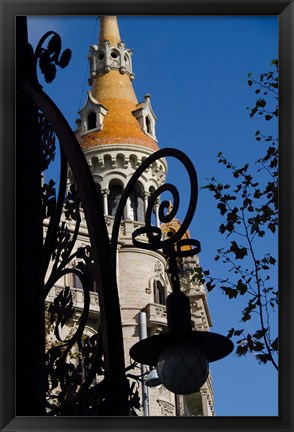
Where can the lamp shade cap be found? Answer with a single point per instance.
(213, 345)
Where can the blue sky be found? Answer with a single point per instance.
(196, 70)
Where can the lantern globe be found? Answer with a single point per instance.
(182, 367)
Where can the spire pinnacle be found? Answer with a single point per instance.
(109, 30)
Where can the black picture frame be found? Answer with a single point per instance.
(9, 10)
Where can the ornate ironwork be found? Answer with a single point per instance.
(50, 57)
(72, 363)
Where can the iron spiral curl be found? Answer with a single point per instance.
(153, 233)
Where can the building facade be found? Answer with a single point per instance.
(117, 133)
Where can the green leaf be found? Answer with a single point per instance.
(261, 103)
(238, 332)
(240, 252)
(241, 287)
(231, 333)
(222, 230)
(232, 216)
(272, 227)
(247, 312)
(259, 334)
(222, 208)
(258, 346)
(272, 260)
(242, 350)
(275, 344)
(210, 286)
(230, 292)
(263, 358)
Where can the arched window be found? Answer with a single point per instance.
(127, 60)
(140, 209)
(114, 54)
(114, 199)
(91, 120)
(148, 125)
(159, 292)
(133, 161)
(120, 161)
(137, 206)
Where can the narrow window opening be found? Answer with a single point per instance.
(148, 125)
(91, 121)
(159, 292)
(114, 54)
(137, 206)
(114, 199)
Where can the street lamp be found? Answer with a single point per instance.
(181, 355)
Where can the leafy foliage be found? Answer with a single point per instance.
(249, 208)
(61, 310)
(47, 141)
(47, 155)
(69, 369)
(72, 204)
(48, 199)
(267, 84)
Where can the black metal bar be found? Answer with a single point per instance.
(53, 224)
(30, 328)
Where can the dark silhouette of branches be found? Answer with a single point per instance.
(249, 210)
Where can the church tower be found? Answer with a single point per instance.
(117, 133)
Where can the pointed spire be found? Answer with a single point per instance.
(124, 121)
(109, 30)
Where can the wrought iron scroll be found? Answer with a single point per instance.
(50, 57)
(172, 246)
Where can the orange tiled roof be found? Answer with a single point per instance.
(115, 91)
